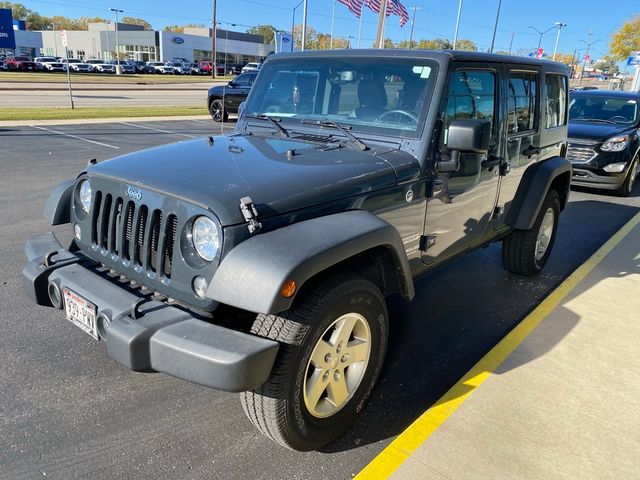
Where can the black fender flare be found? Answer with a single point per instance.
(534, 185)
(57, 210)
(252, 274)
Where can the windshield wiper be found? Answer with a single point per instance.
(601, 120)
(274, 121)
(326, 123)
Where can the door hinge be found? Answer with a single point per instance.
(250, 214)
(427, 241)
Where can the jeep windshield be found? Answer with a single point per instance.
(369, 95)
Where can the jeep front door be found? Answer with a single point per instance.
(461, 202)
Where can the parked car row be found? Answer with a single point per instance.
(177, 66)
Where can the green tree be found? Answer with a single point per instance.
(265, 30)
(435, 44)
(406, 44)
(626, 39)
(137, 21)
(310, 39)
(464, 44)
(608, 64)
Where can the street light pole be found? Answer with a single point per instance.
(559, 26)
(115, 12)
(586, 56)
(413, 22)
(495, 27)
(214, 25)
(293, 21)
(333, 18)
(541, 33)
(304, 25)
(455, 36)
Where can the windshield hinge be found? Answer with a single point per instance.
(250, 214)
(427, 241)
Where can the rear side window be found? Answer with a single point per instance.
(556, 101)
(522, 101)
(472, 96)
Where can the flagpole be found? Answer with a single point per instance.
(333, 18)
(381, 23)
(360, 26)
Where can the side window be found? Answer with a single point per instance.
(522, 101)
(471, 96)
(556, 106)
(243, 80)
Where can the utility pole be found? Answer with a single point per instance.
(455, 36)
(586, 55)
(559, 25)
(118, 70)
(413, 22)
(495, 27)
(214, 33)
(381, 21)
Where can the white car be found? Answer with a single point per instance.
(51, 64)
(78, 65)
(251, 67)
(101, 66)
(160, 67)
(179, 68)
(3, 65)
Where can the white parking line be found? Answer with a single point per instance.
(158, 129)
(209, 123)
(76, 137)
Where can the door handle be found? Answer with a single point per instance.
(530, 151)
(491, 162)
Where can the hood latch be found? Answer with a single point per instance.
(250, 214)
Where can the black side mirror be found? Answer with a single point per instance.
(469, 136)
(464, 136)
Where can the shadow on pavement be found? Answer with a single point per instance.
(460, 312)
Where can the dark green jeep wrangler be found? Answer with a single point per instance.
(259, 261)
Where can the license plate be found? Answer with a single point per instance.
(80, 312)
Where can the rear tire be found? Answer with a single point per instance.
(217, 111)
(526, 252)
(627, 186)
(332, 346)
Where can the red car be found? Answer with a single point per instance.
(20, 63)
(205, 66)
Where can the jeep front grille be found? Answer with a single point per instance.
(138, 236)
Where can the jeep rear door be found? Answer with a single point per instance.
(461, 203)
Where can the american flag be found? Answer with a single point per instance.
(354, 6)
(394, 7)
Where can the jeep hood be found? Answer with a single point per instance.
(279, 174)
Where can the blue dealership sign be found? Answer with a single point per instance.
(177, 40)
(7, 37)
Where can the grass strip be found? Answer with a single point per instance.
(37, 113)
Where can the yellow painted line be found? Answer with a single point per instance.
(415, 435)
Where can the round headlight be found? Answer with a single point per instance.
(206, 238)
(85, 195)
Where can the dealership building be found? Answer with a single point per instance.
(135, 43)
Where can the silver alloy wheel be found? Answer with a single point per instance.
(545, 233)
(216, 110)
(337, 365)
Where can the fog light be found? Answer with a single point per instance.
(200, 287)
(77, 231)
(615, 167)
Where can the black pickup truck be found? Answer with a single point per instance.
(259, 261)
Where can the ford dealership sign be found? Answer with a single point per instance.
(7, 37)
(177, 40)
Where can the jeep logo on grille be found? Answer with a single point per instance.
(133, 193)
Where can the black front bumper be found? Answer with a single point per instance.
(148, 335)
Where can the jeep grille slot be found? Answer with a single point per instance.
(136, 235)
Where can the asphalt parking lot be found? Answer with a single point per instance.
(68, 411)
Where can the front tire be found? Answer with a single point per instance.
(217, 111)
(526, 252)
(332, 346)
(627, 186)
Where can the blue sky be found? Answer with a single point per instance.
(435, 18)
